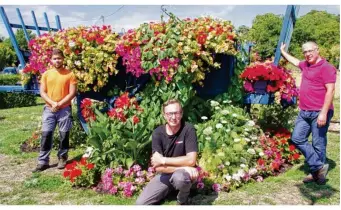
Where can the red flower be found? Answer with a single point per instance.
(275, 165)
(66, 173)
(122, 101)
(260, 162)
(100, 40)
(86, 102)
(83, 161)
(292, 147)
(135, 120)
(296, 156)
(202, 37)
(90, 166)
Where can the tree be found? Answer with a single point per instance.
(321, 27)
(242, 32)
(265, 33)
(7, 56)
(20, 37)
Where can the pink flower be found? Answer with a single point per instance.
(139, 180)
(259, 178)
(136, 168)
(216, 187)
(113, 190)
(200, 185)
(118, 170)
(139, 173)
(221, 166)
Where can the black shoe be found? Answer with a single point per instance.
(321, 174)
(41, 167)
(188, 202)
(62, 163)
(309, 179)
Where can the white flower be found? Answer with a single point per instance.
(247, 139)
(242, 160)
(88, 152)
(242, 165)
(234, 115)
(214, 103)
(223, 145)
(253, 143)
(228, 130)
(227, 163)
(236, 140)
(251, 151)
(223, 121)
(252, 171)
(227, 101)
(254, 137)
(219, 125)
(78, 63)
(217, 108)
(236, 177)
(246, 129)
(261, 153)
(208, 131)
(250, 123)
(241, 172)
(208, 138)
(204, 118)
(228, 177)
(72, 44)
(225, 112)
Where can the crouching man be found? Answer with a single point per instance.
(174, 148)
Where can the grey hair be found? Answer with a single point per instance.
(171, 101)
(310, 43)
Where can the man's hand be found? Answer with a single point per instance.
(55, 106)
(193, 172)
(283, 47)
(158, 159)
(321, 120)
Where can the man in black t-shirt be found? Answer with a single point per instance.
(175, 148)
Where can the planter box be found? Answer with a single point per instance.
(260, 86)
(257, 98)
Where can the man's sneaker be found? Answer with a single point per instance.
(309, 179)
(320, 175)
(41, 167)
(188, 202)
(61, 163)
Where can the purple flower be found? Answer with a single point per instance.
(151, 169)
(118, 170)
(136, 168)
(221, 166)
(216, 187)
(259, 178)
(139, 180)
(139, 173)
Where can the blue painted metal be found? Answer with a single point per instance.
(17, 89)
(33, 27)
(47, 21)
(287, 29)
(59, 25)
(35, 23)
(23, 26)
(12, 36)
(257, 98)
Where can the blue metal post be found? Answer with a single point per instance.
(59, 26)
(287, 29)
(35, 23)
(12, 36)
(23, 26)
(47, 21)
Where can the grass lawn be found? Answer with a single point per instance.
(19, 186)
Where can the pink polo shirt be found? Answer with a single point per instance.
(312, 90)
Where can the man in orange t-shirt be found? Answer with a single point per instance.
(58, 87)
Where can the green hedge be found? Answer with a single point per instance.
(9, 79)
(11, 100)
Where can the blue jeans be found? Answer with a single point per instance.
(306, 123)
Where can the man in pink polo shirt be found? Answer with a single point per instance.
(316, 109)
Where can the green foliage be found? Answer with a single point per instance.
(7, 56)
(242, 32)
(321, 27)
(265, 33)
(21, 40)
(10, 100)
(9, 79)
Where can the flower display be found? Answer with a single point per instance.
(279, 80)
(118, 181)
(177, 49)
(89, 53)
(80, 173)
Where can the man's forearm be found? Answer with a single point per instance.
(327, 101)
(66, 99)
(290, 58)
(46, 98)
(180, 161)
(166, 169)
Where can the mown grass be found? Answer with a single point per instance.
(49, 187)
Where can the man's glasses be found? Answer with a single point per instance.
(170, 114)
(309, 51)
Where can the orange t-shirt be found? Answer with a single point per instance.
(58, 84)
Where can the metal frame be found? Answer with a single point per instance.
(22, 25)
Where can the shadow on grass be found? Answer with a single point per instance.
(313, 191)
(77, 158)
(194, 197)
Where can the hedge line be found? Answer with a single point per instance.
(9, 79)
(11, 100)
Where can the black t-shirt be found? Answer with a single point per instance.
(179, 144)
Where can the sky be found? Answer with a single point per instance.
(124, 17)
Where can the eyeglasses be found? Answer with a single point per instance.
(176, 114)
(309, 51)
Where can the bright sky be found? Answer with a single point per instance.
(123, 16)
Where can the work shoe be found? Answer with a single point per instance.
(61, 163)
(321, 174)
(41, 167)
(309, 179)
(188, 202)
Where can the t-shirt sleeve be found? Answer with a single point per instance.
(301, 65)
(43, 78)
(73, 79)
(191, 140)
(157, 142)
(329, 74)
